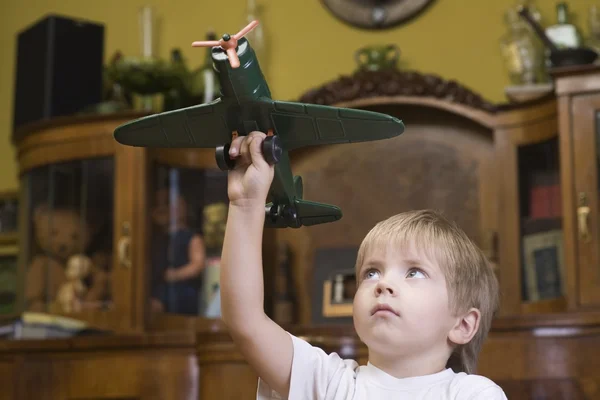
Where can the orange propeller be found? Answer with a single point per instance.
(228, 43)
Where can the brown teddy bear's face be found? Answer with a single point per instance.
(60, 232)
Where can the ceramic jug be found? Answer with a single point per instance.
(375, 58)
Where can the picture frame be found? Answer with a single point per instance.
(332, 306)
(543, 259)
(333, 285)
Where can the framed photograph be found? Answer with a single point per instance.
(334, 285)
(338, 294)
(9, 211)
(544, 275)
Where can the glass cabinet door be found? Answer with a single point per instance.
(188, 211)
(534, 276)
(543, 279)
(585, 111)
(69, 238)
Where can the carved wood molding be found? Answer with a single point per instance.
(365, 84)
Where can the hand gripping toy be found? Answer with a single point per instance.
(245, 105)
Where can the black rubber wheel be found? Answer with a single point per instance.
(224, 162)
(271, 149)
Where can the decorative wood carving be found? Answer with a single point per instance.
(391, 82)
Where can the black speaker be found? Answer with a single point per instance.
(59, 64)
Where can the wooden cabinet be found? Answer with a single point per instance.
(83, 196)
(549, 243)
(522, 180)
(135, 214)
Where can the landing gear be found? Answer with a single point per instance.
(281, 216)
(271, 150)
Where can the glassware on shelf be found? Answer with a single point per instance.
(563, 33)
(522, 56)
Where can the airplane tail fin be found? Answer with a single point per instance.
(311, 213)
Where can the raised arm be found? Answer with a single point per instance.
(263, 343)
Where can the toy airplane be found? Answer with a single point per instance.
(245, 105)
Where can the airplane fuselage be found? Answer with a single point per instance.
(247, 82)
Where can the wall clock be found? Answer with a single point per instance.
(375, 14)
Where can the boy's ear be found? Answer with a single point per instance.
(466, 327)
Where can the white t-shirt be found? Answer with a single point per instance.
(317, 375)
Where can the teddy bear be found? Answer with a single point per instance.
(72, 292)
(59, 234)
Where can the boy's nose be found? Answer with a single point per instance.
(383, 287)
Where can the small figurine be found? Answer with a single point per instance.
(71, 294)
(245, 105)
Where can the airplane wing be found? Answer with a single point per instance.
(202, 125)
(299, 124)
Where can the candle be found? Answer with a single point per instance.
(146, 25)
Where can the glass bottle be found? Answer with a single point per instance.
(521, 56)
(564, 34)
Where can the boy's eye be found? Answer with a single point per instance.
(415, 273)
(371, 273)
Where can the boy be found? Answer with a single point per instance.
(425, 299)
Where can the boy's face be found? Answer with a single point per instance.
(413, 286)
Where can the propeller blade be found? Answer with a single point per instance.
(247, 29)
(233, 58)
(206, 43)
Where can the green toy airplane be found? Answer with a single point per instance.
(245, 105)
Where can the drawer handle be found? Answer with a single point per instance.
(583, 212)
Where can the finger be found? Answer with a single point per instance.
(244, 150)
(255, 149)
(234, 147)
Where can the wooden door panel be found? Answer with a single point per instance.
(585, 110)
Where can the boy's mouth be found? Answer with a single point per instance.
(383, 308)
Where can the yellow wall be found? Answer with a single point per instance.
(457, 39)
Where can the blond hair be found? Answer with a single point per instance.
(469, 276)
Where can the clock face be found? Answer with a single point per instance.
(375, 14)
